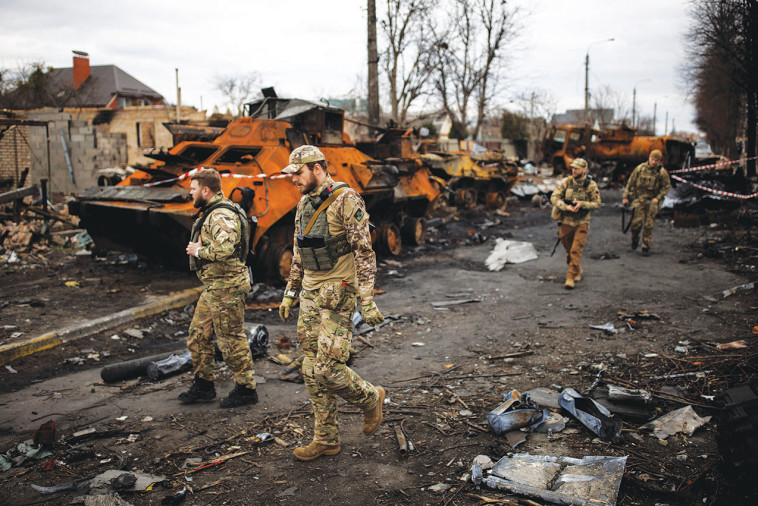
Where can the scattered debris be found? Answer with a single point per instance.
(681, 420)
(740, 288)
(591, 414)
(734, 345)
(608, 328)
(592, 480)
(514, 412)
(627, 403)
(508, 251)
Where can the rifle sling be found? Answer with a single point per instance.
(323, 207)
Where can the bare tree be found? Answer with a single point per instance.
(539, 106)
(470, 59)
(238, 89)
(722, 70)
(406, 60)
(611, 107)
(31, 86)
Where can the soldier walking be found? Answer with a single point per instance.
(332, 264)
(647, 186)
(573, 200)
(217, 249)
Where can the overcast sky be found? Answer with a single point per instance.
(318, 49)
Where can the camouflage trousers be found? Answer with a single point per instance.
(573, 240)
(221, 311)
(325, 331)
(643, 219)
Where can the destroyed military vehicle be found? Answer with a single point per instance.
(615, 151)
(151, 211)
(465, 179)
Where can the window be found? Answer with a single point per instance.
(234, 155)
(198, 153)
(146, 134)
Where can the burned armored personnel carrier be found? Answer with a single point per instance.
(151, 212)
(485, 178)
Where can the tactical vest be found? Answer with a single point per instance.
(240, 251)
(649, 183)
(574, 192)
(319, 250)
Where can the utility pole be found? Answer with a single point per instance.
(587, 77)
(178, 98)
(655, 114)
(373, 67)
(665, 132)
(634, 105)
(634, 102)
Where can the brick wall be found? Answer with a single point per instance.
(89, 149)
(15, 155)
(126, 121)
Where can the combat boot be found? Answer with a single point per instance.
(240, 396)
(315, 450)
(373, 419)
(635, 242)
(569, 284)
(578, 277)
(201, 390)
(645, 251)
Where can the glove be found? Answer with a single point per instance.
(371, 313)
(285, 307)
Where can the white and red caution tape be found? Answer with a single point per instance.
(717, 166)
(717, 192)
(225, 174)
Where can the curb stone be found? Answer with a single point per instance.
(13, 351)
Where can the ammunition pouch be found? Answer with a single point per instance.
(319, 253)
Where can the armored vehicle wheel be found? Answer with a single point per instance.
(496, 200)
(388, 239)
(465, 198)
(414, 231)
(277, 259)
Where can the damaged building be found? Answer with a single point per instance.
(99, 117)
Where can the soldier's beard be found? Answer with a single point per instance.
(199, 202)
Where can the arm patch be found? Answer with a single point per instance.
(358, 215)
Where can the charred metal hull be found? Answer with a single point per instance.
(136, 219)
(150, 212)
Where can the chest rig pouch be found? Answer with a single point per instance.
(574, 192)
(318, 249)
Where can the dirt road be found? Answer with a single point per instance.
(440, 368)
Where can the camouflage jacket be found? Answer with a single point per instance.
(218, 266)
(584, 191)
(347, 214)
(647, 183)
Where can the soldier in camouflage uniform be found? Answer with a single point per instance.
(646, 187)
(332, 264)
(216, 251)
(573, 200)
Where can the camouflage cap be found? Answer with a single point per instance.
(579, 163)
(656, 153)
(302, 155)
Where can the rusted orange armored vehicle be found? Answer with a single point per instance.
(617, 150)
(151, 212)
(622, 150)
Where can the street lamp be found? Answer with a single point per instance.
(587, 76)
(634, 101)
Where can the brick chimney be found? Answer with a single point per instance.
(81, 68)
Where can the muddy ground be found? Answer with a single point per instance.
(444, 370)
